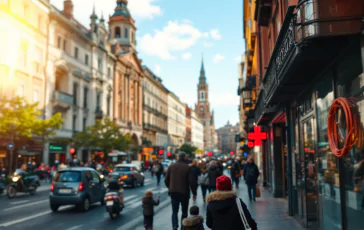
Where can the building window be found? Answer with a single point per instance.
(65, 45)
(35, 96)
(117, 32)
(126, 31)
(99, 64)
(120, 110)
(40, 23)
(76, 52)
(98, 102)
(108, 105)
(75, 90)
(86, 59)
(59, 42)
(21, 90)
(109, 72)
(85, 97)
(23, 54)
(74, 121)
(37, 60)
(84, 124)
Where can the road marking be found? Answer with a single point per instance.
(134, 205)
(75, 227)
(32, 217)
(147, 180)
(133, 201)
(129, 197)
(26, 205)
(19, 202)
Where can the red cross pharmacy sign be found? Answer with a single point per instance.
(257, 136)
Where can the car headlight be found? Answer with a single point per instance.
(224, 164)
(102, 176)
(15, 178)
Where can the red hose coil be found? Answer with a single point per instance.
(353, 127)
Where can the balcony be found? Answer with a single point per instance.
(263, 11)
(306, 44)
(154, 111)
(154, 128)
(62, 101)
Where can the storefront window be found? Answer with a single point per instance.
(350, 82)
(328, 168)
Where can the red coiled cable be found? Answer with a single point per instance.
(353, 131)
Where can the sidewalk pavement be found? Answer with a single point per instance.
(269, 213)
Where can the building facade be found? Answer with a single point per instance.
(23, 49)
(155, 110)
(226, 138)
(128, 75)
(176, 122)
(188, 126)
(202, 109)
(308, 55)
(197, 131)
(80, 79)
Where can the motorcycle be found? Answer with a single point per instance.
(2, 186)
(23, 183)
(114, 205)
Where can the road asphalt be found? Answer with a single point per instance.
(33, 212)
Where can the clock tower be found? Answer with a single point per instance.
(202, 109)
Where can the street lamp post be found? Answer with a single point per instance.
(11, 149)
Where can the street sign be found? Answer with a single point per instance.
(10, 146)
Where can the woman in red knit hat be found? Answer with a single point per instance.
(225, 211)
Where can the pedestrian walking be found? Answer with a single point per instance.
(235, 173)
(158, 171)
(222, 208)
(194, 173)
(194, 221)
(251, 174)
(148, 209)
(204, 180)
(178, 186)
(213, 172)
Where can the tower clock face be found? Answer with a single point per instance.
(201, 109)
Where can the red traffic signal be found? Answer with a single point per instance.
(250, 144)
(72, 150)
(169, 154)
(161, 152)
(209, 154)
(231, 153)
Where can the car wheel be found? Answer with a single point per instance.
(134, 184)
(85, 206)
(54, 207)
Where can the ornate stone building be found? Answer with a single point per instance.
(129, 74)
(226, 138)
(176, 122)
(80, 78)
(202, 109)
(155, 110)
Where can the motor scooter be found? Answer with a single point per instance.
(22, 183)
(114, 202)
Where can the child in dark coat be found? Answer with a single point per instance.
(148, 209)
(194, 221)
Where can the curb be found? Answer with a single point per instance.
(139, 220)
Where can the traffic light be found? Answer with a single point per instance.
(155, 149)
(231, 153)
(73, 149)
(161, 151)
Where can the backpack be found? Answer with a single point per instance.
(156, 169)
(250, 173)
(204, 179)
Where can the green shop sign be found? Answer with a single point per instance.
(57, 147)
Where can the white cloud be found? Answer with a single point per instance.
(215, 34)
(187, 21)
(218, 58)
(144, 9)
(207, 44)
(157, 69)
(175, 36)
(186, 56)
(237, 58)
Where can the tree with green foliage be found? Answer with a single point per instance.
(22, 120)
(104, 135)
(188, 149)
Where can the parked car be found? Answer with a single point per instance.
(76, 186)
(130, 175)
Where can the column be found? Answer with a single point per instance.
(116, 95)
(140, 103)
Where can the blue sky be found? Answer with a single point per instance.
(172, 35)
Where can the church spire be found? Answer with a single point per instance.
(202, 72)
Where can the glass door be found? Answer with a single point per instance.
(309, 191)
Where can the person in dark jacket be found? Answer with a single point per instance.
(235, 172)
(222, 211)
(194, 173)
(178, 186)
(194, 221)
(220, 166)
(214, 172)
(148, 209)
(204, 175)
(158, 170)
(251, 174)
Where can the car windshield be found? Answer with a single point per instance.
(123, 169)
(68, 176)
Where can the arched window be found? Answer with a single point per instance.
(117, 32)
(126, 32)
